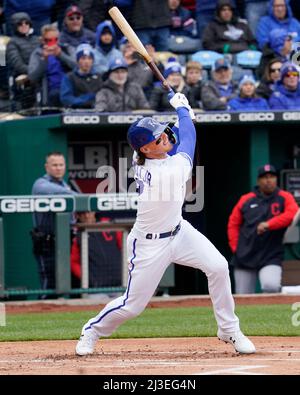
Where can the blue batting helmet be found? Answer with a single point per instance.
(144, 131)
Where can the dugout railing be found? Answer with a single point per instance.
(62, 206)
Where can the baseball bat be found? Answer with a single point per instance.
(128, 32)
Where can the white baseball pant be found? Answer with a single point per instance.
(148, 261)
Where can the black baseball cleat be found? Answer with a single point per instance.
(240, 342)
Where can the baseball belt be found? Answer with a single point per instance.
(165, 234)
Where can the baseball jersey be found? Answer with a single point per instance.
(162, 186)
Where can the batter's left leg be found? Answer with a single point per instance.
(148, 262)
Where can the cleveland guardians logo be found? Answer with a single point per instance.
(295, 54)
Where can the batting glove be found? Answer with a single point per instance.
(179, 100)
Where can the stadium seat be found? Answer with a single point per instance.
(184, 44)
(206, 58)
(248, 59)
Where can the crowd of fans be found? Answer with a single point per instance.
(70, 55)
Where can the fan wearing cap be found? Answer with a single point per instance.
(106, 47)
(256, 228)
(79, 87)
(161, 236)
(73, 32)
(159, 96)
(286, 95)
(118, 94)
(215, 94)
(247, 100)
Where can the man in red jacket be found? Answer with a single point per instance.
(255, 231)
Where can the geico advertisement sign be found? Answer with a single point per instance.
(27, 205)
(115, 202)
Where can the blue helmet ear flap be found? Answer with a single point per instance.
(171, 135)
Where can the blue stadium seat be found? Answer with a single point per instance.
(248, 59)
(206, 58)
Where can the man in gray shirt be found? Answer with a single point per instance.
(43, 234)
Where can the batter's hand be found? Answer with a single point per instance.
(179, 100)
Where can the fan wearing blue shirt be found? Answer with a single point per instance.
(247, 100)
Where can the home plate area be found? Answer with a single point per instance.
(166, 356)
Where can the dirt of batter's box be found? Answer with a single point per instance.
(164, 356)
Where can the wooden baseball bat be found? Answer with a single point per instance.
(128, 32)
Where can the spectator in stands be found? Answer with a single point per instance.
(159, 96)
(227, 33)
(43, 234)
(138, 71)
(205, 13)
(215, 94)
(253, 11)
(79, 87)
(47, 65)
(104, 254)
(183, 33)
(280, 45)
(182, 23)
(151, 21)
(193, 83)
(270, 77)
(58, 13)
(73, 33)
(255, 232)
(117, 93)
(286, 95)
(247, 100)
(38, 10)
(18, 51)
(280, 17)
(106, 51)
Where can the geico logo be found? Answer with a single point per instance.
(259, 116)
(40, 205)
(81, 119)
(117, 203)
(130, 118)
(291, 116)
(213, 117)
(165, 118)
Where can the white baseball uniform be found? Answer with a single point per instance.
(152, 247)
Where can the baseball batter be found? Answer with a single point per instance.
(161, 236)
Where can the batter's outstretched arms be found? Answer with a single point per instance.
(186, 130)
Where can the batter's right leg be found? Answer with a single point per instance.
(200, 253)
(148, 262)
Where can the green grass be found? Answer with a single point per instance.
(261, 320)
